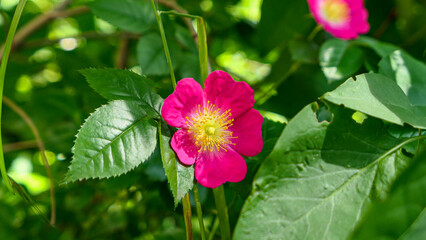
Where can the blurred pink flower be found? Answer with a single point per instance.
(217, 125)
(344, 19)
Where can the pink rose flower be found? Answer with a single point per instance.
(217, 125)
(344, 19)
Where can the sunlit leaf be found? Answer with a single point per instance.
(408, 73)
(380, 97)
(320, 178)
(339, 59)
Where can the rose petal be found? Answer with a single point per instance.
(226, 93)
(182, 103)
(248, 130)
(184, 146)
(351, 27)
(215, 168)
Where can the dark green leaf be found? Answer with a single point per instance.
(151, 55)
(130, 15)
(403, 215)
(320, 178)
(116, 84)
(408, 73)
(381, 97)
(278, 23)
(339, 59)
(180, 177)
(115, 139)
(381, 48)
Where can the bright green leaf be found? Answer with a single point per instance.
(339, 59)
(380, 97)
(319, 179)
(116, 84)
(129, 15)
(180, 177)
(115, 139)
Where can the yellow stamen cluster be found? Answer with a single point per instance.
(335, 10)
(210, 128)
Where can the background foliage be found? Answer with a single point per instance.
(328, 172)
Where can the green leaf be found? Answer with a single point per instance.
(403, 214)
(151, 55)
(339, 59)
(115, 139)
(408, 73)
(380, 97)
(180, 177)
(381, 48)
(130, 15)
(320, 178)
(116, 84)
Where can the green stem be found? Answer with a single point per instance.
(187, 215)
(202, 49)
(179, 14)
(166, 47)
(199, 212)
(8, 46)
(214, 228)
(222, 212)
(40, 144)
(314, 33)
(201, 42)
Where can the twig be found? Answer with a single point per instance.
(122, 52)
(385, 24)
(19, 146)
(40, 145)
(40, 21)
(87, 35)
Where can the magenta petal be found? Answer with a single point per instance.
(215, 168)
(355, 24)
(248, 130)
(184, 146)
(226, 93)
(182, 103)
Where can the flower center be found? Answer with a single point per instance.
(210, 128)
(335, 10)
